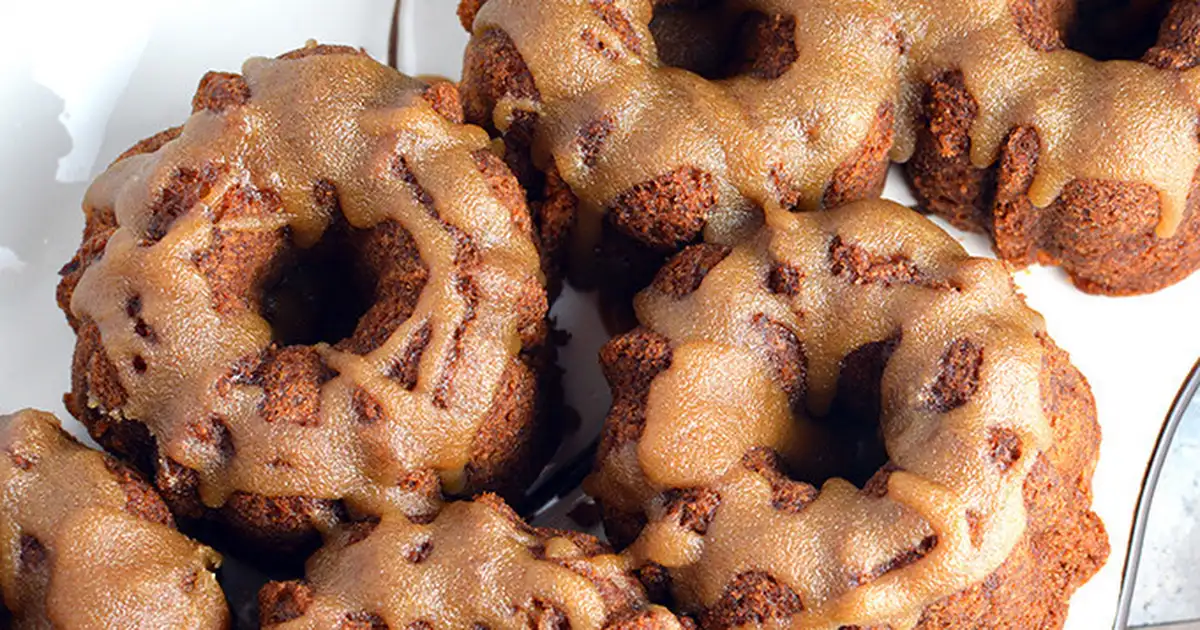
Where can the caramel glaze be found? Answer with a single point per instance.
(293, 145)
(753, 339)
(87, 544)
(476, 565)
(775, 137)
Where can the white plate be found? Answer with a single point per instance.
(80, 81)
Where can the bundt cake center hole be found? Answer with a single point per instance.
(1115, 29)
(318, 294)
(716, 41)
(850, 447)
(850, 443)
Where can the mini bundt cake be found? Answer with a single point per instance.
(847, 422)
(477, 565)
(658, 123)
(88, 544)
(322, 294)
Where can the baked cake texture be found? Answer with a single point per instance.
(660, 123)
(89, 545)
(321, 295)
(847, 422)
(477, 565)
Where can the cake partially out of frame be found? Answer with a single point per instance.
(651, 124)
(87, 544)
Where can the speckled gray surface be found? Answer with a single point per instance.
(1168, 580)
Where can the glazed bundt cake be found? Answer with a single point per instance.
(320, 306)
(320, 295)
(658, 123)
(477, 565)
(89, 544)
(847, 422)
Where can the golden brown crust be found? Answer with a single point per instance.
(507, 446)
(1178, 45)
(280, 602)
(219, 91)
(862, 176)
(683, 273)
(493, 69)
(140, 498)
(752, 598)
(668, 211)
(467, 10)
(445, 99)
(941, 173)
(1042, 22)
(630, 363)
(98, 228)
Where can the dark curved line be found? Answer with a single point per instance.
(1138, 536)
(560, 483)
(393, 53)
